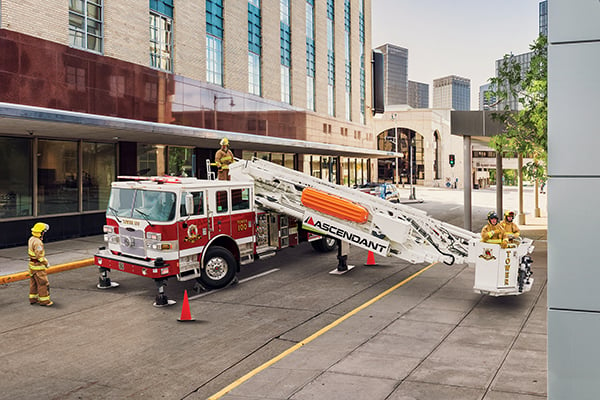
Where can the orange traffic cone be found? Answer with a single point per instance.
(185, 309)
(371, 260)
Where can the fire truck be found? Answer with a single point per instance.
(205, 230)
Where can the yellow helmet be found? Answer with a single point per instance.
(39, 228)
(224, 142)
(509, 214)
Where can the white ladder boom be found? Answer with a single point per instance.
(389, 229)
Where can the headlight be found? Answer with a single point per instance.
(108, 229)
(163, 246)
(153, 236)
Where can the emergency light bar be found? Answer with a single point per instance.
(157, 179)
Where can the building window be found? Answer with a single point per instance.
(214, 60)
(330, 60)
(310, 93)
(161, 35)
(285, 49)
(214, 41)
(285, 84)
(85, 24)
(254, 73)
(310, 55)
(98, 172)
(180, 161)
(57, 177)
(361, 39)
(348, 64)
(16, 193)
(254, 47)
(150, 159)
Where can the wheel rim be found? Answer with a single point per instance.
(216, 268)
(330, 242)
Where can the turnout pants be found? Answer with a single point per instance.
(39, 287)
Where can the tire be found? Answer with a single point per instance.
(219, 268)
(324, 245)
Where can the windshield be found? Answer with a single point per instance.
(151, 205)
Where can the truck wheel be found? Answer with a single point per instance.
(219, 268)
(324, 245)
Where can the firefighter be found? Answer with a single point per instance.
(492, 232)
(511, 230)
(223, 158)
(39, 287)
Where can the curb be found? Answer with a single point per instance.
(19, 276)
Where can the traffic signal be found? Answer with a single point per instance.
(452, 160)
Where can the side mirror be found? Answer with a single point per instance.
(189, 204)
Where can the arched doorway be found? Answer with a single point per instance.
(410, 144)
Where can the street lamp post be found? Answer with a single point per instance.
(217, 98)
(410, 160)
(395, 119)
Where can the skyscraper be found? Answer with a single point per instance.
(543, 23)
(418, 94)
(452, 92)
(486, 99)
(395, 64)
(524, 60)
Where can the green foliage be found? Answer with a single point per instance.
(526, 131)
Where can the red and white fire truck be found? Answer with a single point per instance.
(163, 227)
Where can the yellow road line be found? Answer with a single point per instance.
(315, 335)
(19, 276)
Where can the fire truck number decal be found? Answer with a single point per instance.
(242, 225)
(192, 234)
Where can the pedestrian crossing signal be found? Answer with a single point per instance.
(452, 160)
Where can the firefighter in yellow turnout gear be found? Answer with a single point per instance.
(223, 158)
(512, 232)
(39, 287)
(492, 232)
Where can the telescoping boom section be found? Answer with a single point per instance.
(385, 228)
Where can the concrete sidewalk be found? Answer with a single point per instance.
(61, 255)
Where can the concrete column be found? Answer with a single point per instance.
(468, 181)
(520, 172)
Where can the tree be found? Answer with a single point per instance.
(526, 129)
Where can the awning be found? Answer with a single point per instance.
(21, 120)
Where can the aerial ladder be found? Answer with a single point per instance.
(385, 228)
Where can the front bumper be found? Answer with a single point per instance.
(152, 269)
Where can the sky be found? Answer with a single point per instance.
(455, 37)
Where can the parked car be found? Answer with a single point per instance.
(385, 191)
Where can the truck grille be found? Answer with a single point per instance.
(132, 243)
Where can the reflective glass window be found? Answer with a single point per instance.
(85, 24)
(198, 200)
(98, 172)
(221, 201)
(58, 187)
(240, 199)
(180, 161)
(16, 194)
(161, 42)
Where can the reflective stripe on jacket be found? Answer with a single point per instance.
(37, 254)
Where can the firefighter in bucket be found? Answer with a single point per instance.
(512, 233)
(223, 159)
(492, 232)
